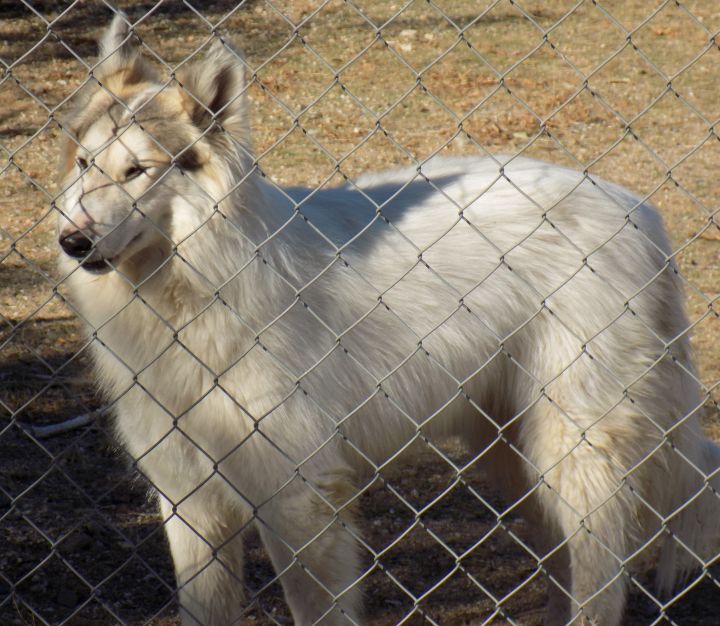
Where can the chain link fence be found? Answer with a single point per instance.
(624, 91)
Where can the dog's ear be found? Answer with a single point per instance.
(119, 57)
(212, 91)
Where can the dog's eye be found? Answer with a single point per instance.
(81, 163)
(134, 172)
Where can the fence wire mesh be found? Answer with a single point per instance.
(624, 91)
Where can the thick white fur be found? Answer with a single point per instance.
(265, 370)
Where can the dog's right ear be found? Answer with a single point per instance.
(119, 58)
(212, 91)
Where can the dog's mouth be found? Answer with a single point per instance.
(102, 266)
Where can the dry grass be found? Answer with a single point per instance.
(351, 92)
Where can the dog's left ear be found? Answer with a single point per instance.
(212, 91)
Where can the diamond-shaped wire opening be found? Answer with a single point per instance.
(657, 38)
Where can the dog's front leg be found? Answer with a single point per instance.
(208, 558)
(309, 534)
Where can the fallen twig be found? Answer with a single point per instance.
(42, 431)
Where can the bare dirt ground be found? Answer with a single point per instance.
(624, 89)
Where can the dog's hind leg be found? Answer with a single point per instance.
(508, 470)
(580, 492)
(208, 561)
(310, 537)
(547, 539)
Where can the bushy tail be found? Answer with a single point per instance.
(694, 530)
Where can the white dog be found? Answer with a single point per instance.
(267, 351)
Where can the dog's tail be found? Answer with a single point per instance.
(693, 528)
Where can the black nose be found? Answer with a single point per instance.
(76, 244)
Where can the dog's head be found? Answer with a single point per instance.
(146, 156)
